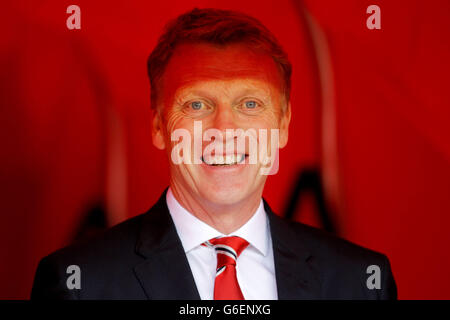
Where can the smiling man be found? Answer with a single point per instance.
(220, 94)
(225, 87)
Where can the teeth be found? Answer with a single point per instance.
(224, 160)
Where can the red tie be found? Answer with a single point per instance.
(228, 249)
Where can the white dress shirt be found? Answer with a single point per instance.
(255, 266)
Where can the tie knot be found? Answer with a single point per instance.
(228, 249)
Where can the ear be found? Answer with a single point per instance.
(284, 126)
(157, 131)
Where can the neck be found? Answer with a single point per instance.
(225, 218)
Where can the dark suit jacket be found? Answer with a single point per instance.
(142, 258)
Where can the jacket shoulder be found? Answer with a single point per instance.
(344, 267)
(328, 244)
(108, 243)
(100, 259)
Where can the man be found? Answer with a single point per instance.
(223, 77)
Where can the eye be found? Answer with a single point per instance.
(196, 105)
(251, 104)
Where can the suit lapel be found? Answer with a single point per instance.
(165, 273)
(295, 274)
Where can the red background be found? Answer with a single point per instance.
(75, 125)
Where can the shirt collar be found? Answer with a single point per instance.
(193, 232)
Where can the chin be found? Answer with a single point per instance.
(226, 194)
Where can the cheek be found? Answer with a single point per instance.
(270, 121)
(267, 120)
(176, 120)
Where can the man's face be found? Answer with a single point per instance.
(230, 87)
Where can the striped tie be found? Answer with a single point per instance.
(228, 249)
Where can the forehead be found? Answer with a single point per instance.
(195, 63)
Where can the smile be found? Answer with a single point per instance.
(224, 160)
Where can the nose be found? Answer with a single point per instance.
(224, 118)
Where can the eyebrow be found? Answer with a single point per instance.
(185, 92)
